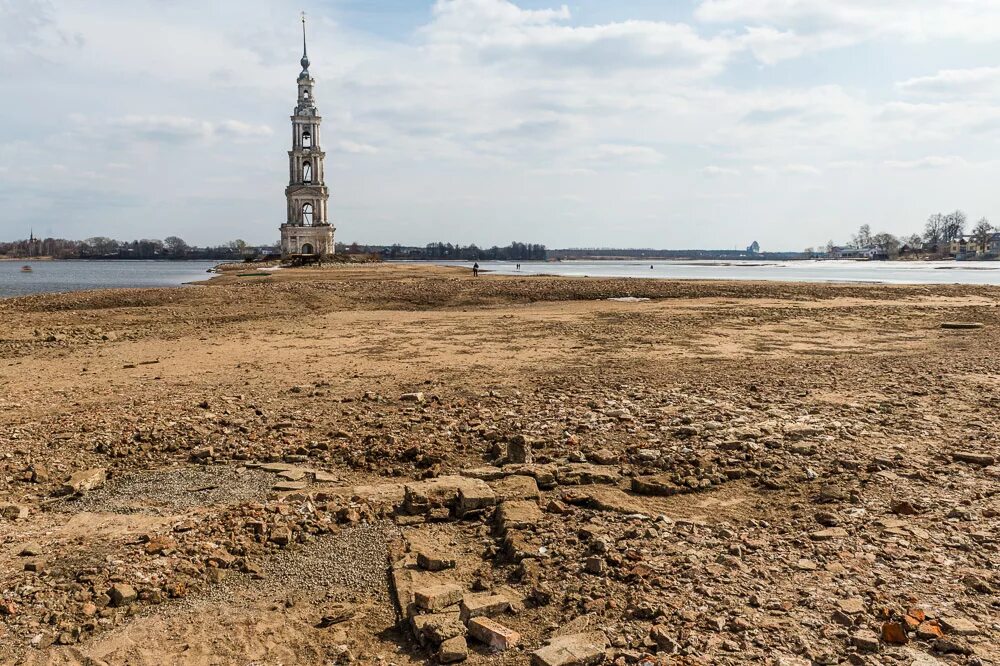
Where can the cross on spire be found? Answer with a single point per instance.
(305, 56)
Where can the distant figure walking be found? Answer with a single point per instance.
(519, 267)
(651, 267)
(475, 269)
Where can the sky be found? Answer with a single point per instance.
(633, 123)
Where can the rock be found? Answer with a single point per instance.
(517, 515)
(30, 549)
(894, 633)
(661, 485)
(948, 645)
(929, 630)
(281, 536)
(851, 606)
(829, 533)
(595, 565)
(959, 626)
(461, 493)
(487, 473)
(121, 594)
(865, 640)
(973, 458)
(453, 650)
(474, 497)
(290, 486)
(604, 456)
(483, 606)
(35, 566)
(10, 511)
(576, 474)
(555, 506)
(903, 508)
(412, 397)
(294, 474)
(788, 660)
(433, 561)
(664, 638)
(336, 614)
(516, 487)
(436, 597)
(436, 628)
(88, 479)
(795, 431)
(493, 634)
(583, 649)
(519, 450)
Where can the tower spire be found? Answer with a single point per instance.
(305, 55)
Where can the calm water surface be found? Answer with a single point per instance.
(897, 272)
(54, 276)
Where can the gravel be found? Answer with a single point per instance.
(176, 489)
(355, 560)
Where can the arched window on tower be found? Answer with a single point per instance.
(307, 172)
(307, 214)
(307, 139)
(305, 94)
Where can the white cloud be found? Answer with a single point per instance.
(782, 29)
(627, 154)
(498, 32)
(975, 82)
(354, 148)
(716, 171)
(242, 130)
(930, 162)
(800, 170)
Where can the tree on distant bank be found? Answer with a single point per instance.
(887, 242)
(239, 246)
(981, 233)
(176, 247)
(100, 246)
(864, 236)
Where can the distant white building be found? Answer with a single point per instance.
(851, 252)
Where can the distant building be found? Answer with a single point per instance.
(970, 247)
(851, 252)
(34, 245)
(753, 249)
(308, 233)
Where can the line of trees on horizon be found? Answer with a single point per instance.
(101, 247)
(516, 251)
(938, 233)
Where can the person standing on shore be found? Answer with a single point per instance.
(475, 269)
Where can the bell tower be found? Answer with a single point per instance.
(307, 233)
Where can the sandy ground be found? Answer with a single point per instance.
(825, 458)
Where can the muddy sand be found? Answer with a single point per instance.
(405, 465)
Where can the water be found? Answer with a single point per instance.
(54, 276)
(890, 272)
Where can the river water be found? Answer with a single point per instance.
(54, 276)
(893, 272)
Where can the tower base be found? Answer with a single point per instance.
(315, 241)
